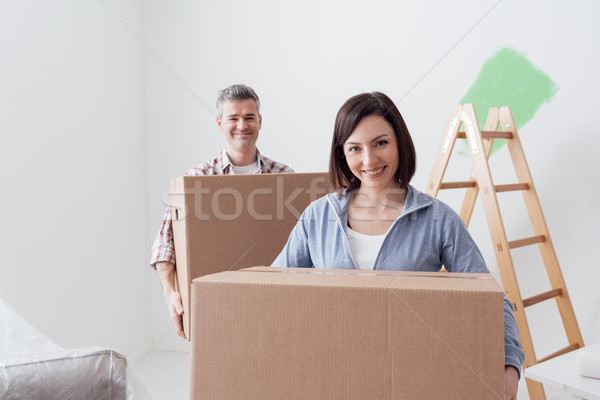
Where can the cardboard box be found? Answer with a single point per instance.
(227, 222)
(279, 333)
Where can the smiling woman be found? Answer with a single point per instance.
(372, 155)
(369, 114)
(377, 221)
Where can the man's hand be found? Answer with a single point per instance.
(511, 383)
(166, 274)
(175, 307)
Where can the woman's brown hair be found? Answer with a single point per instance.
(351, 113)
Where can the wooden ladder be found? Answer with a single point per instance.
(480, 144)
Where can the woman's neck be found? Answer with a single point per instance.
(372, 212)
(379, 199)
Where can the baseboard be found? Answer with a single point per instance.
(178, 344)
(134, 358)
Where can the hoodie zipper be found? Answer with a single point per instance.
(343, 233)
(385, 239)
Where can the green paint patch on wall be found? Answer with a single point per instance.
(508, 78)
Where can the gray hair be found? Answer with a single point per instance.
(237, 93)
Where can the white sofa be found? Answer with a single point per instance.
(33, 367)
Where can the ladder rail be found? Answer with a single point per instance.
(540, 228)
(445, 151)
(498, 234)
(466, 210)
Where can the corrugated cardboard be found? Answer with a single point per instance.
(228, 222)
(278, 333)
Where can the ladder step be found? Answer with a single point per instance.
(489, 135)
(457, 185)
(526, 242)
(499, 188)
(512, 187)
(542, 297)
(560, 352)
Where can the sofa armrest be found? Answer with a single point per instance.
(87, 373)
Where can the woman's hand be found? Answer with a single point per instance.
(511, 383)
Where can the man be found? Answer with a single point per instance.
(239, 119)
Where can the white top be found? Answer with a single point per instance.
(364, 248)
(246, 169)
(560, 372)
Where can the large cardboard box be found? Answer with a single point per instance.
(228, 222)
(279, 333)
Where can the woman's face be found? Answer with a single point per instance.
(372, 153)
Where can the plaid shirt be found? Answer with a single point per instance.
(163, 248)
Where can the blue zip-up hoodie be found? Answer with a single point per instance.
(427, 235)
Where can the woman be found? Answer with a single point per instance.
(376, 220)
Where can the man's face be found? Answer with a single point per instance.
(240, 122)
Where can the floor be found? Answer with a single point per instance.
(165, 375)
(161, 375)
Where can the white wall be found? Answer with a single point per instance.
(94, 123)
(73, 167)
(306, 58)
